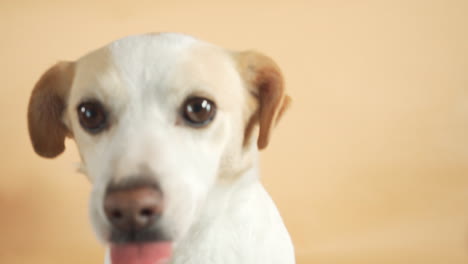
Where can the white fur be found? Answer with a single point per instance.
(216, 209)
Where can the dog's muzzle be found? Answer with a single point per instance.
(133, 208)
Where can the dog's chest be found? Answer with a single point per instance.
(247, 229)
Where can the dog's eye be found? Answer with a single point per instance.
(198, 111)
(92, 116)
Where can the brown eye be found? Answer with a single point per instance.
(198, 111)
(92, 116)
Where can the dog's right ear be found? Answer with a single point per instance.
(264, 81)
(46, 107)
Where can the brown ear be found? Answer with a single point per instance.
(264, 80)
(45, 110)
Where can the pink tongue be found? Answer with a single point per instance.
(144, 253)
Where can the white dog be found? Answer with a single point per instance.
(168, 129)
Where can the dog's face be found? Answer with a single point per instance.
(160, 110)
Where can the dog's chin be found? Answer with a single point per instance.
(138, 247)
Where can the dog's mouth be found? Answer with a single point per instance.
(134, 236)
(141, 253)
(149, 246)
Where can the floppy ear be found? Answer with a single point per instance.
(45, 110)
(264, 80)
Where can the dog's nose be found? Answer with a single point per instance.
(133, 209)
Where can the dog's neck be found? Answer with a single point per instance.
(240, 216)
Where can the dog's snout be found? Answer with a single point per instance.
(133, 209)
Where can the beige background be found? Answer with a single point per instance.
(369, 166)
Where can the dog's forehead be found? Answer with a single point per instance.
(157, 63)
(151, 54)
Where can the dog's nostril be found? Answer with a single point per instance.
(147, 212)
(116, 214)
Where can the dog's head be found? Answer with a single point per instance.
(158, 119)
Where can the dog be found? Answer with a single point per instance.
(168, 128)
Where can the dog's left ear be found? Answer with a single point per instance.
(46, 107)
(264, 80)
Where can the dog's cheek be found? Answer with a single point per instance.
(188, 178)
(180, 213)
(98, 219)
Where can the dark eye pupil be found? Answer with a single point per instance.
(200, 106)
(196, 108)
(88, 113)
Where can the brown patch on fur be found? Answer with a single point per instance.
(45, 110)
(249, 128)
(264, 80)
